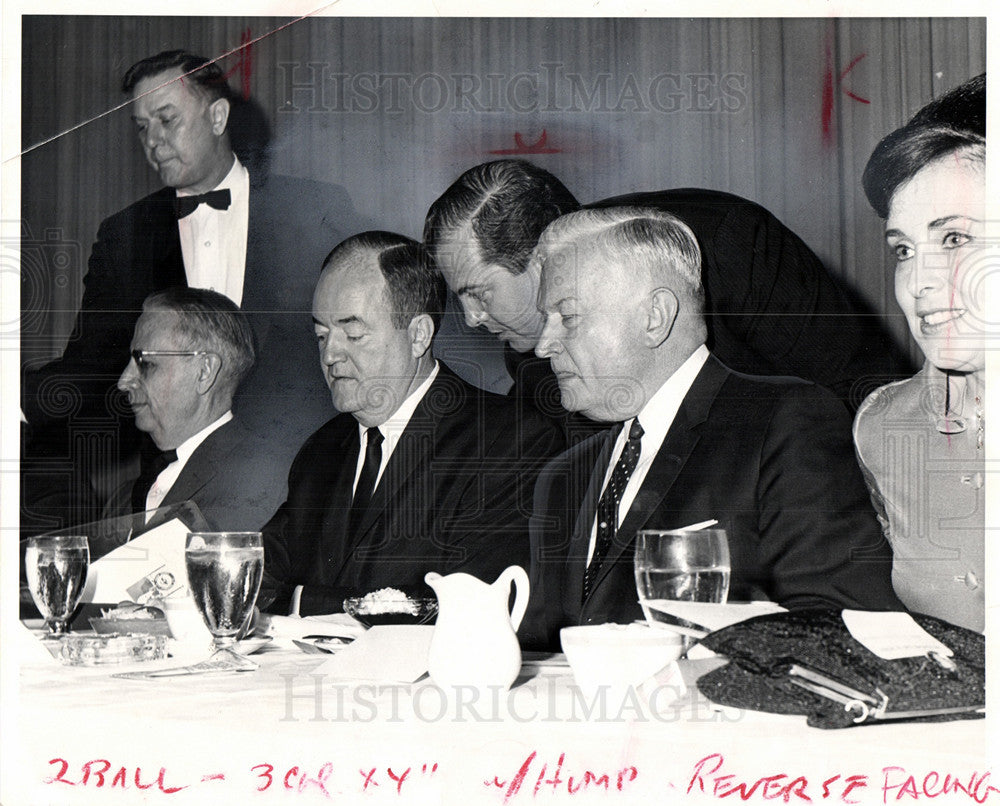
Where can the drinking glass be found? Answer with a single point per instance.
(56, 567)
(681, 565)
(224, 571)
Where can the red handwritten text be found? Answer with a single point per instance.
(293, 779)
(97, 773)
(830, 84)
(706, 777)
(897, 783)
(395, 777)
(608, 781)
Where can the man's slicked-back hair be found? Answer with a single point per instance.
(207, 75)
(903, 153)
(413, 285)
(507, 203)
(210, 321)
(649, 240)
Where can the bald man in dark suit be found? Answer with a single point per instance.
(421, 472)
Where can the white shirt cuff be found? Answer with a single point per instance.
(296, 600)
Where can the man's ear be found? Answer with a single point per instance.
(208, 372)
(663, 307)
(421, 333)
(218, 112)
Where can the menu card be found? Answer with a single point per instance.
(152, 563)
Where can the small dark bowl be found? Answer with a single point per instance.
(395, 611)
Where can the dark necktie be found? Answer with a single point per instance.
(147, 477)
(218, 199)
(367, 479)
(607, 508)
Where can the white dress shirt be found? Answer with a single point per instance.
(393, 428)
(214, 242)
(172, 472)
(656, 418)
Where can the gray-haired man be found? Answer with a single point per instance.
(191, 349)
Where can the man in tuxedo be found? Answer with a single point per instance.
(421, 472)
(688, 441)
(249, 235)
(770, 305)
(191, 349)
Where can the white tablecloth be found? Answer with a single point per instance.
(284, 735)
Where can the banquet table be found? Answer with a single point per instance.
(285, 734)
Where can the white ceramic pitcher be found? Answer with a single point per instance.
(474, 642)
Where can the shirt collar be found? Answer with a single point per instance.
(190, 445)
(659, 412)
(232, 181)
(400, 418)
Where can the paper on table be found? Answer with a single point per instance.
(716, 616)
(393, 653)
(291, 627)
(28, 648)
(892, 635)
(153, 562)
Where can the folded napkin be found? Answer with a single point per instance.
(29, 647)
(716, 616)
(393, 653)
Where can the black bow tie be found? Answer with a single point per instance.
(219, 199)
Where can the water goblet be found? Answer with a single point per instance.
(56, 567)
(680, 565)
(224, 572)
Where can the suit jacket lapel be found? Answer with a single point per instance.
(576, 562)
(411, 454)
(254, 286)
(334, 542)
(164, 244)
(204, 464)
(679, 442)
(259, 286)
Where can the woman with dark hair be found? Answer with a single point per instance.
(920, 441)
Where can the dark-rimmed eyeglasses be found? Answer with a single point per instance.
(140, 356)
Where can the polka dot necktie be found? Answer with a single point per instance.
(607, 508)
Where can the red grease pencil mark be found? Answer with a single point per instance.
(826, 116)
(847, 70)
(538, 147)
(827, 113)
(245, 63)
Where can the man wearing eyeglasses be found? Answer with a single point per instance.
(190, 350)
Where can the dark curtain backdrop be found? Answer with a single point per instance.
(782, 111)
